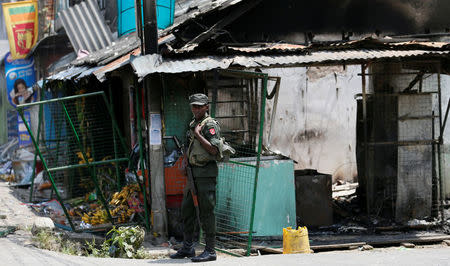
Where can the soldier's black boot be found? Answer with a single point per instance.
(187, 251)
(207, 255)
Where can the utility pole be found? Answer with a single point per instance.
(152, 88)
(150, 28)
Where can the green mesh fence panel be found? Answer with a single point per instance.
(84, 157)
(237, 101)
(177, 112)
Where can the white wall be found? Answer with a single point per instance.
(445, 160)
(315, 120)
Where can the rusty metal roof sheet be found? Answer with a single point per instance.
(144, 65)
(100, 73)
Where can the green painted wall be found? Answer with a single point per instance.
(176, 109)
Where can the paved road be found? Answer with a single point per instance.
(15, 250)
(16, 213)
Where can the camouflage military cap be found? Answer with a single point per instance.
(198, 99)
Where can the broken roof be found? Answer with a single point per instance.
(265, 55)
(127, 44)
(122, 46)
(194, 56)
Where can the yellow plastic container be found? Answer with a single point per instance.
(295, 241)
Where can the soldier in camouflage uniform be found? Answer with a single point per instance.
(204, 145)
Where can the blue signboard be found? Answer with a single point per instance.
(20, 77)
(126, 22)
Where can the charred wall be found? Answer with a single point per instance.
(327, 20)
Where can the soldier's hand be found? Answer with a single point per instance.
(198, 129)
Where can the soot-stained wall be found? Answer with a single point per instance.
(289, 20)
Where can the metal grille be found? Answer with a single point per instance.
(400, 133)
(84, 158)
(238, 102)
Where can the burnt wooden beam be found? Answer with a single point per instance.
(418, 78)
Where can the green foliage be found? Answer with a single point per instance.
(102, 251)
(124, 242)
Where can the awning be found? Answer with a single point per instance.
(148, 64)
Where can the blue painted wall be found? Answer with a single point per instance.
(126, 22)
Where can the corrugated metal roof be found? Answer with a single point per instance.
(125, 45)
(85, 26)
(191, 9)
(292, 54)
(287, 47)
(436, 45)
(87, 73)
(385, 43)
(100, 73)
(148, 64)
(68, 73)
(368, 43)
(117, 49)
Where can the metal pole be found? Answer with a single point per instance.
(150, 28)
(33, 176)
(141, 159)
(114, 140)
(132, 116)
(61, 99)
(366, 150)
(434, 181)
(441, 131)
(258, 160)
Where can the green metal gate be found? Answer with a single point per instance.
(84, 157)
(238, 103)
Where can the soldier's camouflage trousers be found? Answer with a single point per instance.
(206, 204)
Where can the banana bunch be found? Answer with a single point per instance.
(118, 205)
(120, 198)
(122, 213)
(98, 216)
